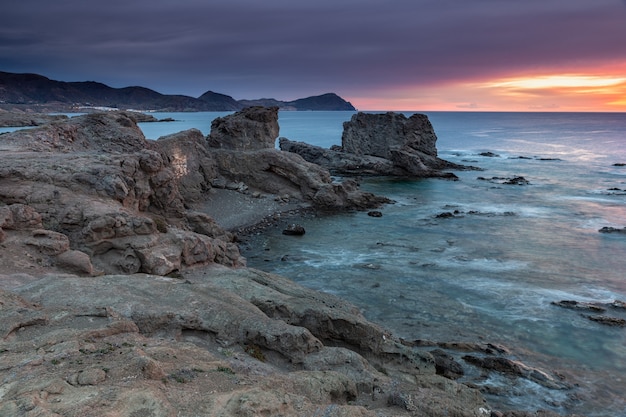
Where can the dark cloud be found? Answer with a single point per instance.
(289, 49)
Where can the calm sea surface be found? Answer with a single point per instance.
(490, 272)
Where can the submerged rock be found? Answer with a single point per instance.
(506, 180)
(609, 229)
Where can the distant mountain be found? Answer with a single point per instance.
(36, 91)
(328, 101)
(219, 102)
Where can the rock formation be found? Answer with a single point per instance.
(244, 150)
(122, 202)
(379, 144)
(96, 180)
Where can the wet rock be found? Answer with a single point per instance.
(608, 320)
(510, 367)
(506, 180)
(489, 154)
(445, 215)
(609, 229)
(375, 213)
(577, 305)
(294, 230)
(516, 181)
(446, 365)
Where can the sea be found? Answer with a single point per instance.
(482, 259)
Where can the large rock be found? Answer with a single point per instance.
(383, 134)
(110, 132)
(379, 144)
(192, 164)
(249, 129)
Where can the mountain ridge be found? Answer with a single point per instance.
(29, 91)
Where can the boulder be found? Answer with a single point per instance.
(249, 129)
(382, 134)
(192, 164)
(294, 230)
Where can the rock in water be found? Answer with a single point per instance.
(379, 144)
(294, 230)
(383, 134)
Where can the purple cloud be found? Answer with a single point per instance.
(288, 49)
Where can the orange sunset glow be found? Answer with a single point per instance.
(565, 92)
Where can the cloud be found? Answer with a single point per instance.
(289, 49)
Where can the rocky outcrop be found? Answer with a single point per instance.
(243, 147)
(124, 204)
(379, 144)
(116, 197)
(250, 129)
(216, 342)
(192, 164)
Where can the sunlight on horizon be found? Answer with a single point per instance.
(584, 91)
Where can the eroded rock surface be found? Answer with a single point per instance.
(218, 341)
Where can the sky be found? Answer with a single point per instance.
(428, 55)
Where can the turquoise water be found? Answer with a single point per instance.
(490, 272)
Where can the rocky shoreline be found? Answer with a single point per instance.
(123, 291)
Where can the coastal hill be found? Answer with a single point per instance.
(36, 92)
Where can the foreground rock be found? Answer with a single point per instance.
(220, 342)
(380, 144)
